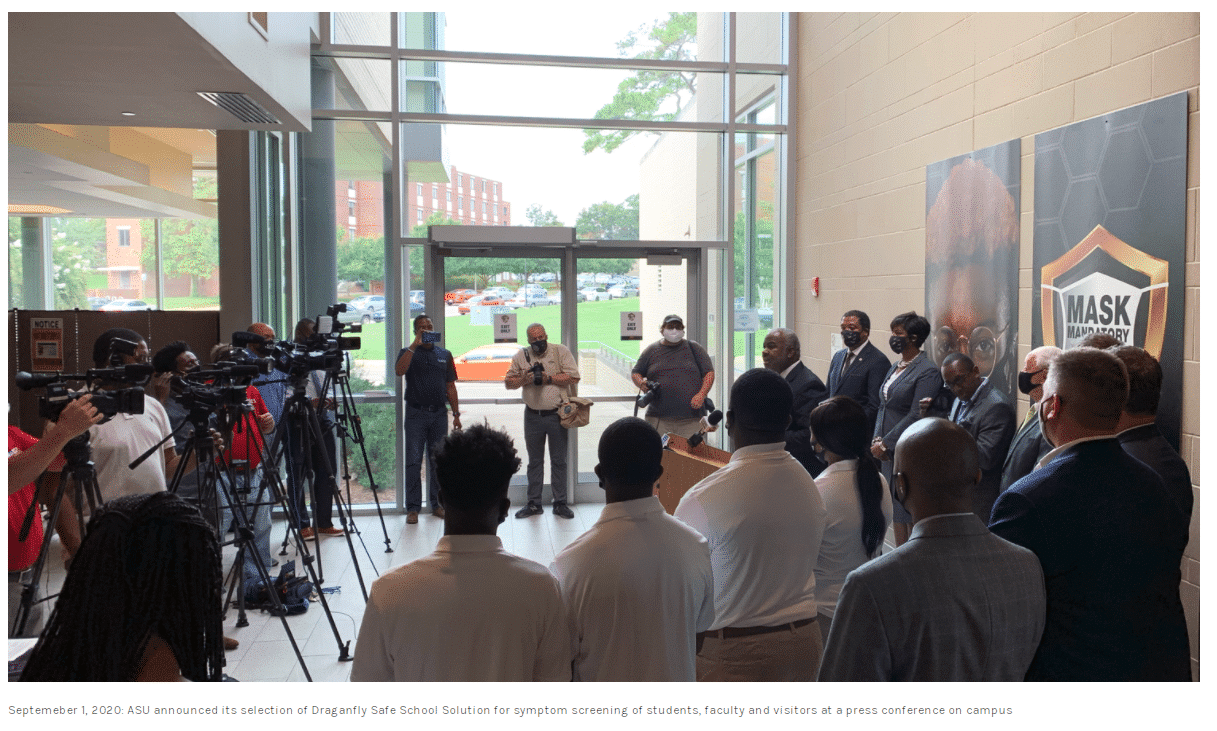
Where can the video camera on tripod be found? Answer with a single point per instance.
(109, 401)
(321, 351)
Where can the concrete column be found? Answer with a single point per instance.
(318, 271)
(234, 170)
(38, 286)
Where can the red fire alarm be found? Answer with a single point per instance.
(815, 287)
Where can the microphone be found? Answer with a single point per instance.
(712, 421)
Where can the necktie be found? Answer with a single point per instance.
(849, 358)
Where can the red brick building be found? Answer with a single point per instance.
(470, 199)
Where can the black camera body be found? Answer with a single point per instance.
(651, 395)
(128, 400)
(538, 374)
(430, 336)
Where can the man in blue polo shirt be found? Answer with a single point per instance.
(430, 381)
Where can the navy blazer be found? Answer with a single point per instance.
(863, 381)
(809, 391)
(990, 421)
(1106, 533)
(1147, 444)
(1026, 450)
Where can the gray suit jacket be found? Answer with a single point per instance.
(1026, 450)
(990, 421)
(953, 603)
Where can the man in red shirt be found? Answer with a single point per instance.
(28, 458)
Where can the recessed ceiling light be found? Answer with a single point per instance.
(128, 114)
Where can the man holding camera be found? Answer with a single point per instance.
(675, 375)
(430, 375)
(546, 372)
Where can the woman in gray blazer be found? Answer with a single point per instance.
(910, 379)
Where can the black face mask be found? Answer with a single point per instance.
(852, 338)
(539, 346)
(1024, 382)
(898, 343)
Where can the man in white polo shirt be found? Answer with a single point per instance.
(469, 611)
(764, 519)
(637, 585)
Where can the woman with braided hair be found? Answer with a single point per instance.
(141, 600)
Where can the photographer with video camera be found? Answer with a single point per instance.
(675, 375)
(430, 375)
(29, 458)
(325, 484)
(545, 371)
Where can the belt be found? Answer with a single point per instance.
(541, 412)
(432, 409)
(726, 632)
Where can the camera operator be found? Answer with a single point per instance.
(323, 484)
(675, 375)
(28, 458)
(545, 371)
(430, 381)
(170, 364)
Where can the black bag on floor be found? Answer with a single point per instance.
(293, 591)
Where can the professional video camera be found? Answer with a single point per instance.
(651, 394)
(322, 351)
(221, 385)
(110, 401)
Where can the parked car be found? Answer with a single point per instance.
(416, 309)
(555, 297)
(502, 292)
(623, 290)
(485, 362)
(126, 306)
(418, 295)
(595, 294)
(528, 299)
(457, 296)
(95, 303)
(481, 300)
(364, 309)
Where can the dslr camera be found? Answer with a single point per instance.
(650, 396)
(538, 374)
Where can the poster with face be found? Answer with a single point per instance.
(971, 260)
(1110, 212)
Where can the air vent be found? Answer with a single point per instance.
(240, 106)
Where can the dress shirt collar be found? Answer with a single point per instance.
(948, 524)
(630, 509)
(1150, 429)
(858, 349)
(757, 451)
(977, 394)
(845, 465)
(790, 368)
(1053, 454)
(469, 544)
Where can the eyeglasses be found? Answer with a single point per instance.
(980, 345)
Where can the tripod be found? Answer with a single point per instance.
(79, 467)
(350, 427)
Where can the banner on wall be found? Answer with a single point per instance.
(971, 260)
(1110, 212)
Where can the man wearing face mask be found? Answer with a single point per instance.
(859, 368)
(1029, 445)
(1106, 531)
(685, 374)
(547, 372)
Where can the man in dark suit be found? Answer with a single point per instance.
(1106, 532)
(858, 370)
(780, 353)
(955, 602)
(983, 412)
(1029, 445)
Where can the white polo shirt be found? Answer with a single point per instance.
(842, 550)
(638, 589)
(119, 441)
(469, 611)
(764, 519)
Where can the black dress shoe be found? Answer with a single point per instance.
(529, 510)
(563, 510)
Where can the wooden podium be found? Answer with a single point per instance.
(684, 467)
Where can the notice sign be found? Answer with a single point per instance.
(631, 326)
(46, 341)
(505, 327)
(747, 321)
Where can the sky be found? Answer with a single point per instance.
(536, 165)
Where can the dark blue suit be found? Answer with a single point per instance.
(1147, 444)
(990, 421)
(808, 391)
(1107, 535)
(862, 381)
(897, 412)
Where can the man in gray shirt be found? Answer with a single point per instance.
(685, 374)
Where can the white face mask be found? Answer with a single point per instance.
(673, 335)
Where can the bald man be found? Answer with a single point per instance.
(1106, 531)
(782, 354)
(955, 602)
(1029, 445)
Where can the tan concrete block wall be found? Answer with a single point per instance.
(880, 96)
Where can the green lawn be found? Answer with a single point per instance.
(599, 325)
